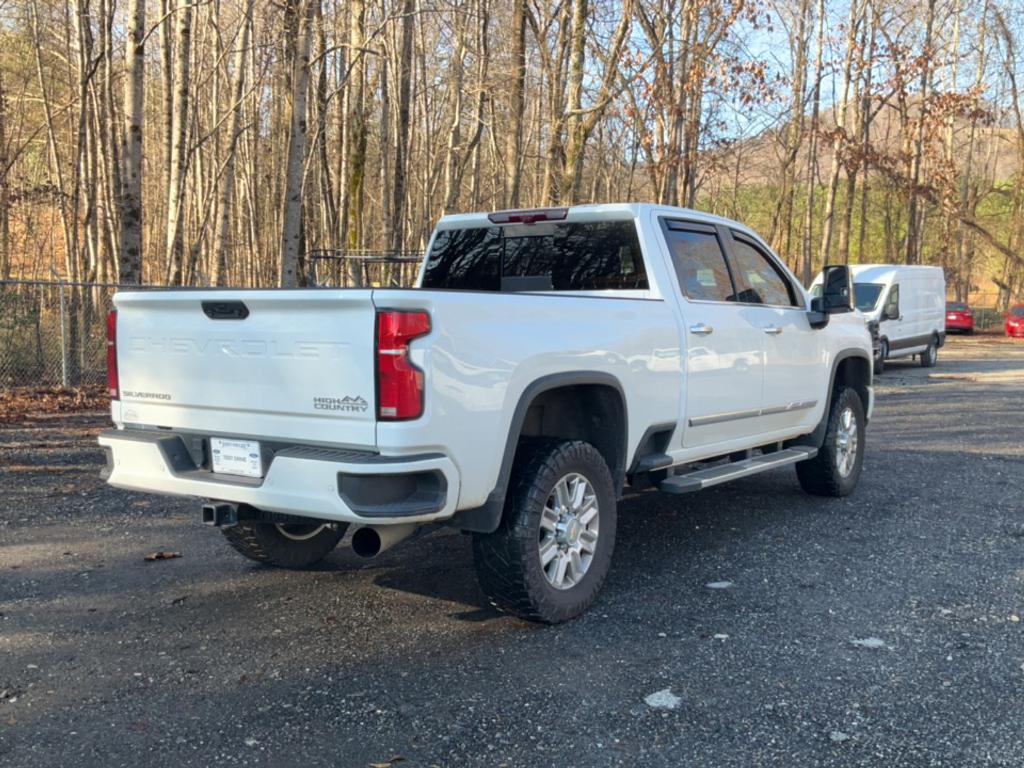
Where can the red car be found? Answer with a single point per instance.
(959, 317)
(1015, 321)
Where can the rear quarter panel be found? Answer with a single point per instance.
(485, 349)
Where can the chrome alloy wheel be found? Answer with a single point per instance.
(568, 531)
(298, 531)
(846, 442)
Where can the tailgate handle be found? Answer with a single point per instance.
(225, 310)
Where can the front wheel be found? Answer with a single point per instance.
(285, 545)
(552, 551)
(836, 468)
(883, 352)
(930, 356)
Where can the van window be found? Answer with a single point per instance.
(546, 256)
(892, 302)
(866, 295)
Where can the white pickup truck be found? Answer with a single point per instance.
(547, 363)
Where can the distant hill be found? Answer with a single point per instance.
(760, 157)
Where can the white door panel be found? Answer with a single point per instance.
(795, 368)
(724, 372)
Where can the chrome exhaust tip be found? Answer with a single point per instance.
(372, 540)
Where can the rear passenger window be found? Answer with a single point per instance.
(700, 265)
(758, 280)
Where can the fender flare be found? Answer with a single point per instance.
(817, 437)
(487, 517)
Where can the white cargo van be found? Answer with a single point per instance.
(909, 304)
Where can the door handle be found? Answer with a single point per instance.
(772, 330)
(700, 329)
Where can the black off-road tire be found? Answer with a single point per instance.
(883, 351)
(507, 562)
(821, 476)
(266, 543)
(930, 356)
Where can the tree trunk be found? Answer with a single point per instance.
(782, 219)
(405, 74)
(129, 266)
(839, 141)
(179, 147)
(357, 121)
(166, 32)
(912, 252)
(291, 217)
(516, 92)
(807, 266)
(579, 123)
(227, 182)
(5, 167)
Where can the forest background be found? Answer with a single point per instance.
(227, 142)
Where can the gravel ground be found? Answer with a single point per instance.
(882, 629)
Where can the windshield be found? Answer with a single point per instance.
(867, 295)
(955, 306)
(1017, 311)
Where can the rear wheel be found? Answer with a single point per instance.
(836, 468)
(285, 545)
(553, 548)
(930, 356)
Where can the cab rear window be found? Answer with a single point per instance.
(546, 256)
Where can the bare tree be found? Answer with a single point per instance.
(130, 261)
(291, 236)
(179, 155)
(227, 182)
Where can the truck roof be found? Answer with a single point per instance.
(595, 212)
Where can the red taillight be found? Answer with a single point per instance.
(399, 382)
(112, 383)
(528, 217)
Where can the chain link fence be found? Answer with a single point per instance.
(987, 314)
(53, 332)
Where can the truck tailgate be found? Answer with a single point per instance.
(298, 366)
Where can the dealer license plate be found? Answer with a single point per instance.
(236, 457)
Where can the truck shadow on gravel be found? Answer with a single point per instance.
(659, 537)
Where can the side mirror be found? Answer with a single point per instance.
(836, 295)
(817, 316)
(837, 288)
(891, 312)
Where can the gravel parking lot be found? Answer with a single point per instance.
(882, 629)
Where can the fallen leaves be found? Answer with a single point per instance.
(18, 402)
(152, 556)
